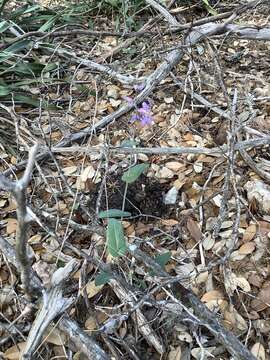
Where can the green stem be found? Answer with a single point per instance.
(124, 198)
(2, 5)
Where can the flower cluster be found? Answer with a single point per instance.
(143, 113)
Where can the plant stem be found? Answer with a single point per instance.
(124, 198)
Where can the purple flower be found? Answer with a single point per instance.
(128, 99)
(143, 113)
(134, 117)
(146, 120)
(145, 108)
(139, 87)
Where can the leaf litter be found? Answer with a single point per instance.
(173, 201)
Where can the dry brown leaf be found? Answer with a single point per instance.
(205, 158)
(208, 242)
(55, 336)
(113, 91)
(185, 336)
(169, 222)
(86, 178)
(130, 231)
(92, 289)
(259, 192)
(35, 239)
(3, 202)
(217, 200)
(231, 283)
(178, 183)
(69, 170)
(125, 224)
(236, 256)
(169, 100)
(115, 103)
(256, 280)
(212, 295)
(247, 248)
(194, 229)
(87, 173)
(165, 173)
(217, 305)
(4, 275)
(142, 228)
(90, 323)
(175, 354)
(143, 157)
(258, 351)
(250, 233)
(197, 353)
(14, 352)
(6, 295)
(11, 225)
(264, 227)
(44, 270)
(59, 352)
(174, 165)
(202, 277)
(263, 298)
(226, 224)
(198, 167)
(80, 356)
(233, 320)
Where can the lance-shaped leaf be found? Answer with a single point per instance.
(113, 213)
(116, 242)
(102, 278)
(134, 172)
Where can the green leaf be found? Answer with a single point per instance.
(27, 100)
(116, 242)
(134, 172)
(14, 48)
(102, 278)
(4, 25)
(209, 8)
(29, 68)
(48, 24)
(129, 143)
(4, 90)
(114, 3)
(113, 213)
(162, 259)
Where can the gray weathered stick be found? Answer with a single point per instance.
(18, 189)
(83, 342)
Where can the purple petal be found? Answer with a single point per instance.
(146, 120)
(139, 87)
(134, 117)
(146, 106)
(128, 99)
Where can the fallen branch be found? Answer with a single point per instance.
(53, 305)
(83, 342)
(216, 151)
(164, 12)
(18, 189)
(124, 79)
(263, 174)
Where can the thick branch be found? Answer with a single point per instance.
(82, 341)
(18, 189)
